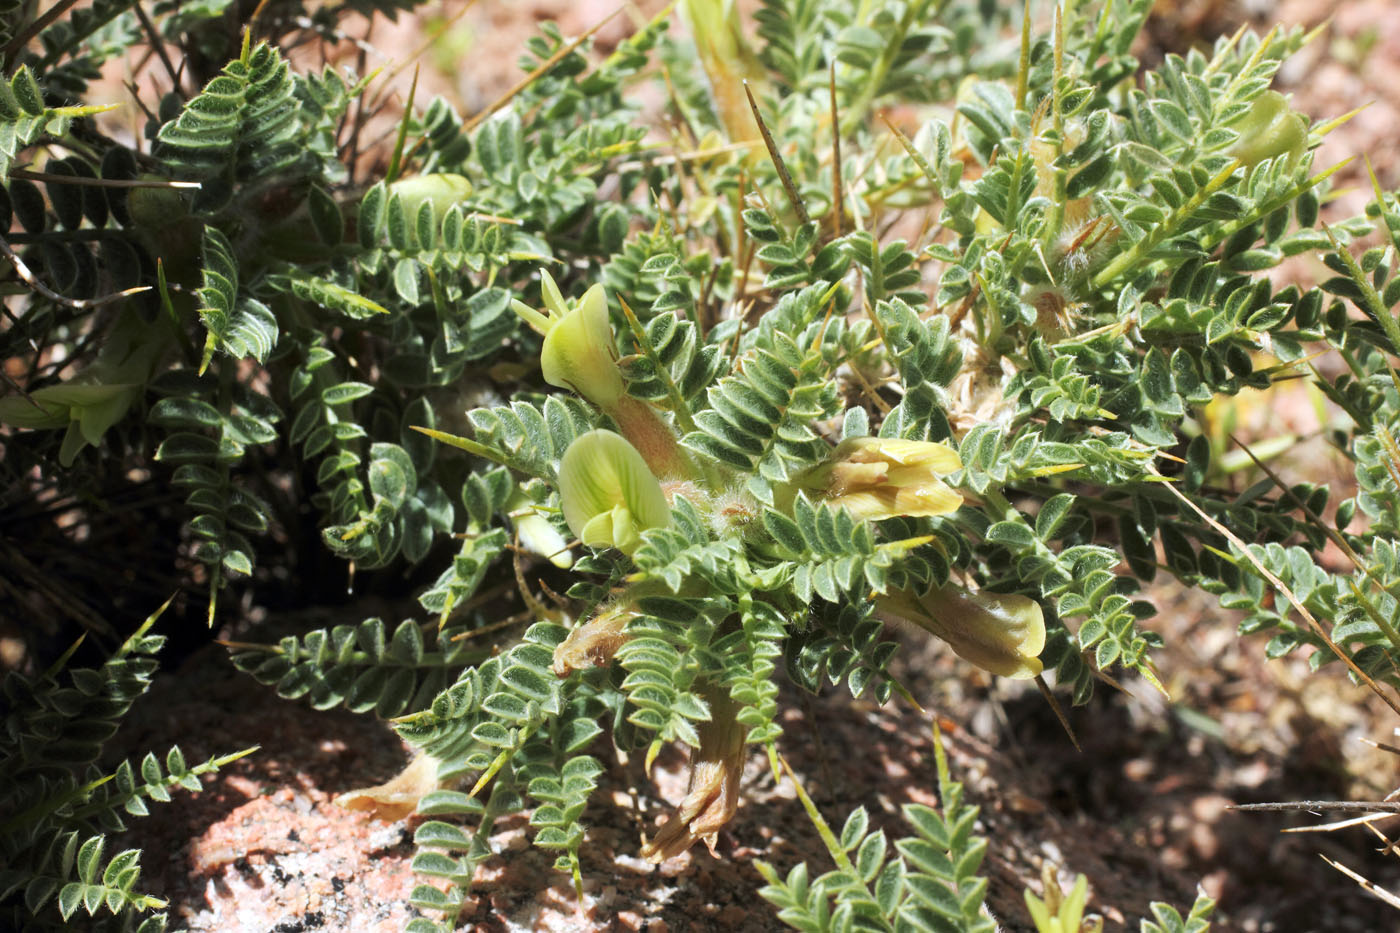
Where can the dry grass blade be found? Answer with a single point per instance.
(494, 218)
(1366, 884)
(1339, 824)
(435, 36)
(564, 50)
(680, 158)
(1390, 848)
(526, 615)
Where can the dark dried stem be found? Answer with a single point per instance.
(838, 197)
(77, 303)
(157, 45)
(36, 27)
(793, 197)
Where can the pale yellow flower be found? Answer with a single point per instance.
(536, 533)
(578, 352)
(999, 632)
(873, 477)
(608, 494)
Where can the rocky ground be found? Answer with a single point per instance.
(1142, 810)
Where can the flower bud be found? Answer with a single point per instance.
(537, 533)
(999, 632)
(608, 494)
(1269, 129)
(442, 189)
(578, 352)
(877, 478)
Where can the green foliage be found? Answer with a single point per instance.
(329, 370)
(24, 115)
(1064, 913)
(510, 716)
(61, 808)
(1167, 919)
(930, 882)
(757, 420)
(362, 667)
(239, 131)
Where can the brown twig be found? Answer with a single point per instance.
(1058, 711)
(20, 389)
(60, 593)
(101, 182)
(34, 28)
(157, 45)
(351, 150)
(76, 303)
(1319, 806)
(136, 96)
(10, 316)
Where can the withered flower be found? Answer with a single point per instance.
(593, 643)
(397, 797)
(713, 792)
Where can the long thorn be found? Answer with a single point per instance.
(838, 198)
(396, 161)
(793, 197)
(48, 178)
(1059, 713)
